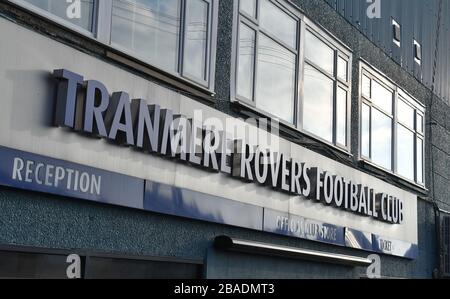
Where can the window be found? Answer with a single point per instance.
(318, 104)
(196, 39)
(275, 89)
(417, 52)
(121, 268)
(152, 30)
(326, 88)
(267, 58)
(248, 7)
(38, 263)
(303, 83)
(392, 127)
(396, 33)
(176, 36)
(84, 18)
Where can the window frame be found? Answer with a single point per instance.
(254, 25)
(365, 69)
(102, 30)
(419, 47)
(56, 19)
(368, 102)
(339, 50)
(396, 24)
(183, 73)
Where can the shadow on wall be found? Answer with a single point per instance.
(167, 199)
(29, 87)
(195, 205)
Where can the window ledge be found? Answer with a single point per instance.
(181, 85)
(285, 125)
(372, 167)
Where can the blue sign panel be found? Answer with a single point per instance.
(394, 247)
(42, 174)
(358, 239)
(296, 226)
(186, 203)
(33, 172)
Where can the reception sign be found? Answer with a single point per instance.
(28, 171)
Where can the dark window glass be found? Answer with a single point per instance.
(32, 265)
(108, 268)
(24, 265)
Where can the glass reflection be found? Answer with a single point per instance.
(341, 117)
(319, 53)
(405, 152)
(419, 123)
(59, 8)
(249, 7)
(149, 28)
(342, 66)
(276, 79)
(382, 97)
(419, 160)
(405, 114)
(381, 139)
(278, 23)
(365, 131)
(246, 61)
(196, 38)
(318, 103)
(366, 86)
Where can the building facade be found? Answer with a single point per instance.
(224, 139)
